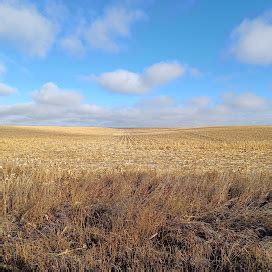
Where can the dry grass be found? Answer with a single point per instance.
(70, 200)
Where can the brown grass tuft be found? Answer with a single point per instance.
(135, 220)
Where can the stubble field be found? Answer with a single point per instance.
(135, 199)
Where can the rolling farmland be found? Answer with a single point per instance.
(234, 148)
(136, 199)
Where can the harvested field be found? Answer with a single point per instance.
(75, 199)
(186, 150)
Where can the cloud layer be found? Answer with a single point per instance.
(124, 81)
(52, 105)
(24, 28)
(252, 40)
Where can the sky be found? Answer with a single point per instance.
(135, 63)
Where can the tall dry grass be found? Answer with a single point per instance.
(56, 219)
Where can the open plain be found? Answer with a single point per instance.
(182, 150)
(106, 199)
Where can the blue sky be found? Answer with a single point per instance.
(135, 63)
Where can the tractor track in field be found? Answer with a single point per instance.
(203, 137)
(126, 141)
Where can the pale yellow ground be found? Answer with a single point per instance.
(203, 149)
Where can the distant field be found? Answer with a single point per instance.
(234, 148)
(136, 199)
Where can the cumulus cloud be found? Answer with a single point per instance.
(51, 105)
(6, 89)
(115, 23)
(25, 28)
(124, 81)
(160, 111)
(51, 94)
(252, 40)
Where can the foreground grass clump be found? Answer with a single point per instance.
(73, 221)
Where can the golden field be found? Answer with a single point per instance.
(227, 148)
(105, 199)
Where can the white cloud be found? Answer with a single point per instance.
(162, 72)
(252, 40)
(161, 111)
(128, 82)
(2, 69)
(115, 23)
(51, 105)
(51, 94)
(25, 28)
(105, 32)
(247, 100)
(6, 89)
